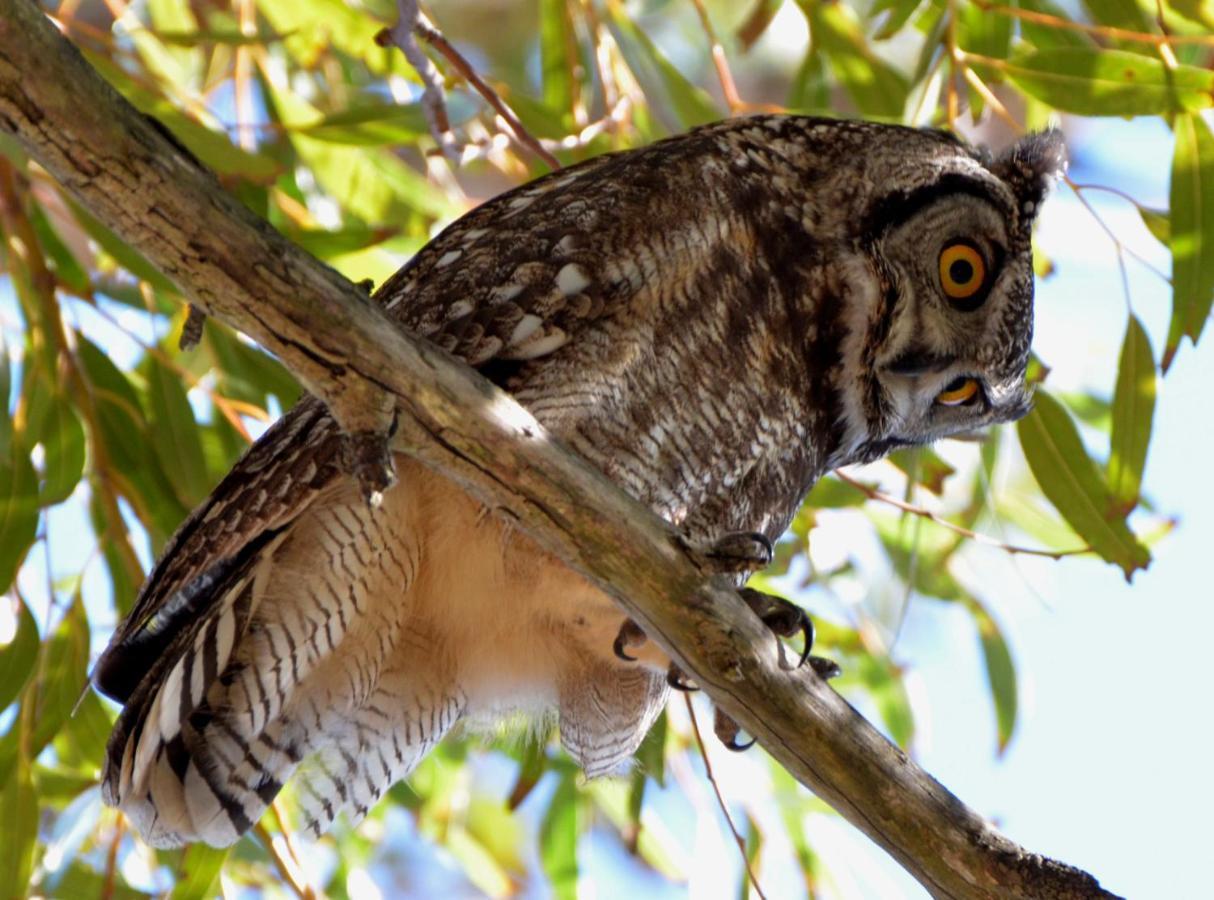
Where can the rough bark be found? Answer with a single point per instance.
(130, 173)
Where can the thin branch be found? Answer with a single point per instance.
(873, 494)
(716, 789)
(1105, 31)
(293, 879)
(435, 39)
(433, 104)
(720, 61)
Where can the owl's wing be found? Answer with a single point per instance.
(512, 281)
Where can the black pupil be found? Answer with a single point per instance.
(961, 271)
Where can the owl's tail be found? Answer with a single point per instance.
(249, 688)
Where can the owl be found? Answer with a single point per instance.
(714, 321)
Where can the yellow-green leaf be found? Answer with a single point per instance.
(874, 85)
(1074, 485)
(1096, 82)
(558, 840)
(1133, 411)
(1000, 674)
(18, 655)
(1192, 232)
(198, 868)
(18, 509)
(18, 827)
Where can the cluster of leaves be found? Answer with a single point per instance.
(110, 434)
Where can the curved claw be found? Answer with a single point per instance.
(782, 618)
(630, 635)
(738, 748)
(674, 678)
(617, 647)
(737, 552)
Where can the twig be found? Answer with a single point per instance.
(435, 39)
(302, 889)
(1105, 31)
(111, 859)
(873, 494)
(435, 107)
(716, 789)
(950, 88)
(728, 88)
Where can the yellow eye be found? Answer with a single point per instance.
(958, 393)
(962, 274)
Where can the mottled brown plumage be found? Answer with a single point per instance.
(714, 321)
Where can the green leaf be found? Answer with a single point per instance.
(755, 23)
(18, 827)
(874, 86)
(63, 263)
(61, 434)
(651, 755)
(18, 655)
(558, 840)
(900, 12)
(1192, 236)
(923, 466)
(1133, 411)
(197, 871)
(831, 493)
(1047, 37)
(174, 432)
(1117, 13)
(1158, 223)
(376, 124)
(559, 59)
(76, 879)
(129, 259)
(887, 691)
(63, 676)
(18, 509)
(1072, 482)
(1110, 82)
(1000, 674)
(690, 104)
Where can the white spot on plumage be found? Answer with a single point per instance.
(526, 327)
(447, 258)
(572, 279)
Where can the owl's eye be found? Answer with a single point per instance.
(959, 392)
(963, 275)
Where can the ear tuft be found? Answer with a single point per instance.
(1031, 166)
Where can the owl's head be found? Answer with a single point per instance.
(941, 264)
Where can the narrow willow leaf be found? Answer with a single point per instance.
(371, 125)
(63, 262)
(900, 12)
(1133, 411)
(874, 86)
(831, 493)
(754, 844)
(755, 23)
(1110, 82)
(651, 755)
(558, 59)
(1074, 485)
(80, 743)
(810, 91)
(174, 432)
(792, 813)
(18, 655)
(313, 28)
(1117, 13)
(887, 691)
(558, 840)
(63, 450)
(1192, 232)
(18, 828)
(1047, 37)
(1000, 674)
(18, 509)
(197, 871)
(63, 675)
(923, 466)
(691, 105)
(1158, 223)
(76, 879)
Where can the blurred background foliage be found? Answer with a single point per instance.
(111, 434)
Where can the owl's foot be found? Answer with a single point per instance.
(783, 618)
(727, 731)
(677, 680)
(734, 552)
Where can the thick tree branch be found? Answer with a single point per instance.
(137, 180)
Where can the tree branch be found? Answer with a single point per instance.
(141, 183)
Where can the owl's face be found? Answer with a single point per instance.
(941, 336)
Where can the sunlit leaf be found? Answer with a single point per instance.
(18, 509)
(18, 827)
(876, 87)
(1158, 223)
(1133, 411)
(924, 466)
(558, 840)
(61, 434)
(63, 675)
(1110, 82)
(197, 871)
(1192, 232)
(1074, 484)
(174, 432)
(18, 655)
(755, 23)
(1047, 37)
(1000, 674)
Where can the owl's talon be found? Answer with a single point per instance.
(630, 635)
(727, 731)
(783, 618)
(676, 679)
(735, 552)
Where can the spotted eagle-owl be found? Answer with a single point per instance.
(714, 321)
